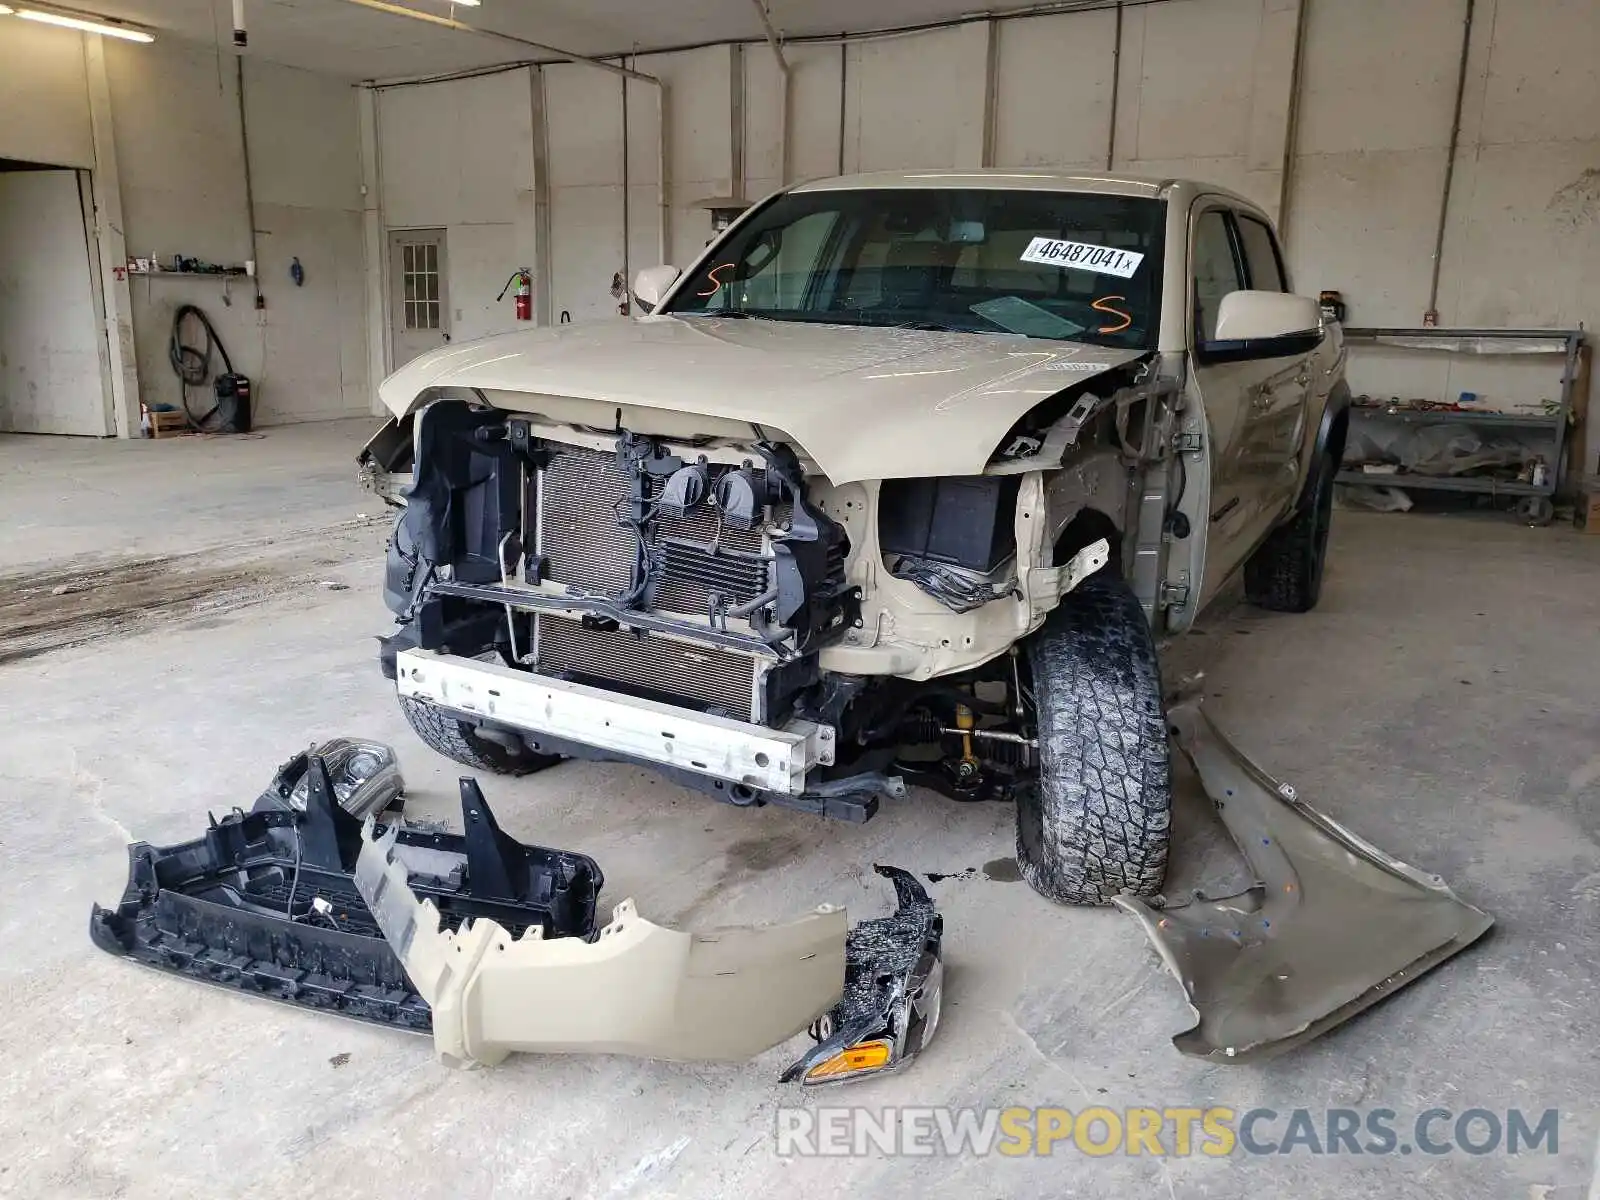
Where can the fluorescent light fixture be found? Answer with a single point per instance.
(85, 24)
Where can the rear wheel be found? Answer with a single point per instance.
(460, 740)
(1285, 573)
(1097, 824)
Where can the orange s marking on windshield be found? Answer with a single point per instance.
(711, 278)
(1103, 305)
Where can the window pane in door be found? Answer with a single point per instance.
(1261, 255)
(1215, 272)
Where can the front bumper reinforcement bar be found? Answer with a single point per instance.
(775, 760)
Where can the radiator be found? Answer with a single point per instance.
(580, 539)
(585, 545)
(716, 678)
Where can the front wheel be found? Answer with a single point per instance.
(460, 741)
(1096, 826)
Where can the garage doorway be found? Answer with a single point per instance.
(417, 294)
(52, 377)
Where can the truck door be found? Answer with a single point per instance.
(1279, 427)
(1254, 407)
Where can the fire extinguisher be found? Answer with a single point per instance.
(522, 280)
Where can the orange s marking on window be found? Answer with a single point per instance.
(1103, 305)
(711, 278)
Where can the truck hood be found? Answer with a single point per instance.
(862, 402)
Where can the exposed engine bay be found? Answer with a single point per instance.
(707, 575)
(588, 553)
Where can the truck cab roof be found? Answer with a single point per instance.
(1027, 179)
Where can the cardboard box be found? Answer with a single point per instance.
(1589, 505)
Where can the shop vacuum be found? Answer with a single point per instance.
(230, 409)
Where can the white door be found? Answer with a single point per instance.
(50, 341)
(418, 303)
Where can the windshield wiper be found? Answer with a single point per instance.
(737, 314)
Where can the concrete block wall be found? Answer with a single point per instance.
(1204, 88)
(173, 111)
(459, 156)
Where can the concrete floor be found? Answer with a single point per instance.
(1441, 701)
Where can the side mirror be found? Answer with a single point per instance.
(650, 284)
(1254, 325)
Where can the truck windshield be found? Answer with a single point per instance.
(1059, 265)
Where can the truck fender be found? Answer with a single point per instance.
(1332, 429)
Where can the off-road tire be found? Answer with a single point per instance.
(1285, 572)
(457, 740)
(1096, 825)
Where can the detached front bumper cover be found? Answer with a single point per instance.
(642, 989)
(1332, 926)
(492, 944)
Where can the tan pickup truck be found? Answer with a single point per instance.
(899, 483)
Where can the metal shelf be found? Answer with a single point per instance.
(231, 273)
(1446, 483)
(1445, 416)
(1566, 343)
(1472, 341)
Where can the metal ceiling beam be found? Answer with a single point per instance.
(399, 10)
(776, 43)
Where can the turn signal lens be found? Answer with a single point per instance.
(864, 1056)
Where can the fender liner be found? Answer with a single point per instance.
(1331, 429)
(1331, 926)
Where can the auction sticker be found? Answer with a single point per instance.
(1081, 256)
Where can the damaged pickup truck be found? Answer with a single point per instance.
(899, 484)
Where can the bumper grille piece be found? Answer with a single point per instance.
(714, 677)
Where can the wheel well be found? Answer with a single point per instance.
(1086, 528)
(1337, 433)
(1332, 444)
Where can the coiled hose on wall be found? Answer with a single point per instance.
(193, 364)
